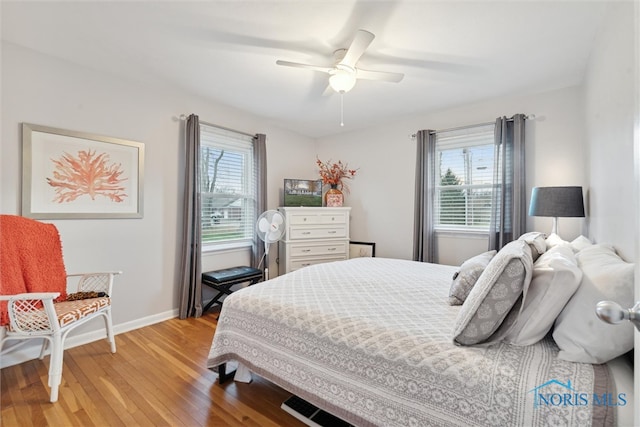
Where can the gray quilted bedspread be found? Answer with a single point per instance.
(370, 340)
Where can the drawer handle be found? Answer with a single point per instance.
(331, 249)
(305, 264)
(306, 232)
(332, 231)
(306, 250)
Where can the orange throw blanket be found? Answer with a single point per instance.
(30, 259)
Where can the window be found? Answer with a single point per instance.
(464, 179)
(227, 185)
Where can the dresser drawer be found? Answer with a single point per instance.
(299, 263)
(317, 218)
(329, 248)
(298, 233)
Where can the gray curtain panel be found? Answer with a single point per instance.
(191, 262)
(423, 237)
(260, 162)
(508, 205)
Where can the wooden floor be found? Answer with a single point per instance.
(157, 377)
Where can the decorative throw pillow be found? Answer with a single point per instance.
(467, 276)
(555, 278)
(537, 243)
(497, 290)
(75, 296)
(580, 334)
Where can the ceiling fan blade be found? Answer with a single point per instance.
(360, 43)
(307, 66)
(379, 75)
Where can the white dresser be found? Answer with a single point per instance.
(313, 236)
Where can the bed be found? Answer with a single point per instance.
(370, 341)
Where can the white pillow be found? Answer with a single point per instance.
(580, 334)
(554, 280)
(537, 242)
(554, 240)
(580, 243)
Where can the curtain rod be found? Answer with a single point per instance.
(529, 117)
(183, 117)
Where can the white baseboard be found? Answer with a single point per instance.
(31, 351)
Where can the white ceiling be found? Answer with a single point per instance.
(451, 52)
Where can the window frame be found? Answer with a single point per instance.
(242, 144)
(471, 136)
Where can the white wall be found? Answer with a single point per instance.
(47, 91)
(609, 109)
(382, 194)
(611, 85)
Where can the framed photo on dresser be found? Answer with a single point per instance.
(303, 192)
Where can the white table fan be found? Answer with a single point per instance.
(270, 228)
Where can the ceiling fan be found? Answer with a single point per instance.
(344, 72)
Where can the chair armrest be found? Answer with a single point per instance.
(26, 315)
(95, 282)
(115, 273)
(31, 296)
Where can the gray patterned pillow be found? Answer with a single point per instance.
(498, 289)
(467, 276)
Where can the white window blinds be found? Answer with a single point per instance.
(227, 186)
(464, 178)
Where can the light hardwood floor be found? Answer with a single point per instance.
(157, 377)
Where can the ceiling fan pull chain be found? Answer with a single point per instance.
(342, 108)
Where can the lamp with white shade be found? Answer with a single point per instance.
(557, 202)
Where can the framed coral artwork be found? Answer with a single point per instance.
(68, 174)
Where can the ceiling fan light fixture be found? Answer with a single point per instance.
(343, 74)
(342, 80)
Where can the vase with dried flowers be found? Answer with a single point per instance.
(334, 174)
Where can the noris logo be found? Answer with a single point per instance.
(547, 394)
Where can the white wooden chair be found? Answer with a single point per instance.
(35, 315)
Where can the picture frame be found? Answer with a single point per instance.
(362, 249)
(73, 175)
(302, 192)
